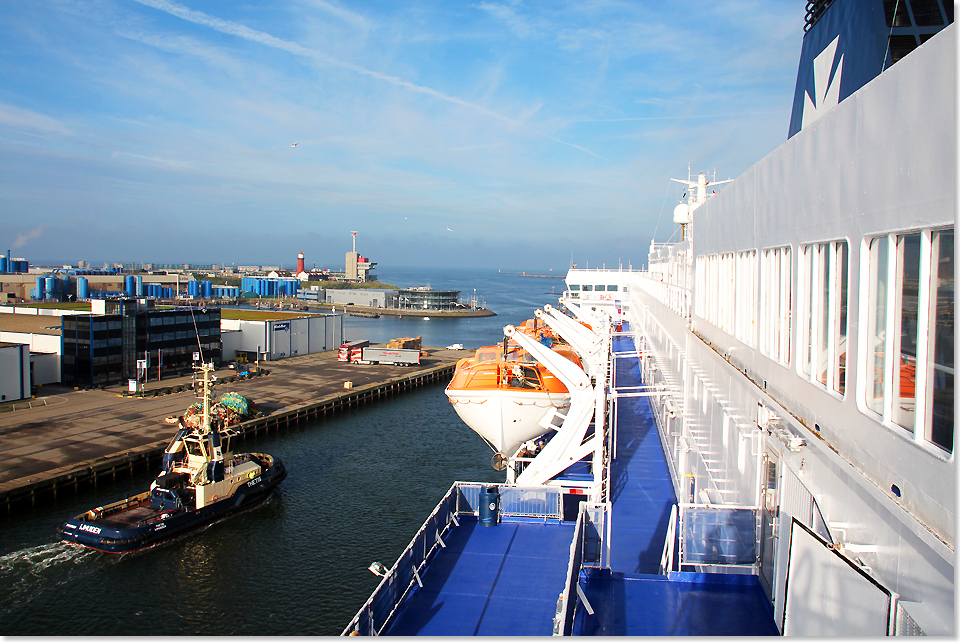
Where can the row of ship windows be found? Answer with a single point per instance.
(906, 321)
(593, 288)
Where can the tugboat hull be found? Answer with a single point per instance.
(133, 524)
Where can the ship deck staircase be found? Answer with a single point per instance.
(638, 594)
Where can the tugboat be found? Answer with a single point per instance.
(201, 481)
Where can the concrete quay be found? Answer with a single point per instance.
(75, 437)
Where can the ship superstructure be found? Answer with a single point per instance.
(761, 439)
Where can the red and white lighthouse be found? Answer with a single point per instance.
(300, 268)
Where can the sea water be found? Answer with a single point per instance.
(359, 486)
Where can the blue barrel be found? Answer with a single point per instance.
(489, 506)
(83, 289)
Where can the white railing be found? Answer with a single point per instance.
(669, 542)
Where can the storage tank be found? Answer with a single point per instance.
(3, 265)
(207, 289)
(130, 285)
(139, 285)
(51, 288)
(193, 288)
(41, 288)
(83, 288)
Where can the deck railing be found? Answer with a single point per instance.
(715, 535)
(462, 499)
(586, 551)
(669, 543)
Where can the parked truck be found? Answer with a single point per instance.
(394, 356)
(351, 350)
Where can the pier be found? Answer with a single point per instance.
(73, 438)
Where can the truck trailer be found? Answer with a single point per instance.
(393, 356)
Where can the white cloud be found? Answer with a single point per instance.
(18, 118)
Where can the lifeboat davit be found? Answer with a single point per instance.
(503, 393)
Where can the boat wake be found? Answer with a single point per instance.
(25, 571)
(37, 559)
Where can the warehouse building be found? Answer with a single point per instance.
(373, 298)
(14, 372)
(39, 332)
(279, 338)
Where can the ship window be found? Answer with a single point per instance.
(588, 288)
(899, 46)
(611, 288)
(910, 318)
(775, 284)
(746, 297)
(574, 287)
(727, 283)
(926, 13)
(193, 448)
(823, 298)
(896, 13)
(599, 288)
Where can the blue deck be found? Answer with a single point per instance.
(505, 580)
(682, 604)
(632, 598)
(499, 580)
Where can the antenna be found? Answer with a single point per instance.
(354, 234)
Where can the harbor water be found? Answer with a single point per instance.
(359, 487)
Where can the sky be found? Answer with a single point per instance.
(512, 135)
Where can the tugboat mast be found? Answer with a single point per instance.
(206, 368)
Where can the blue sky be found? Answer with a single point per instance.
(481, 134)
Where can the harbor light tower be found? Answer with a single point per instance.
(300, 268)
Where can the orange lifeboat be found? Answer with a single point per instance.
(503, 393)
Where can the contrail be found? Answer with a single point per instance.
(242, 31)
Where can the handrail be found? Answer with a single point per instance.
(566, 604)
(666, 560)
(375, 614)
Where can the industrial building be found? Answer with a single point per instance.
(133, 341)
(14, 372)
(39, 330)
(426, 298)
(372, 298)
(88, 349)
(280, 338)
(79, 285)
(270, 286)
(358, 268)
(9, 265)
